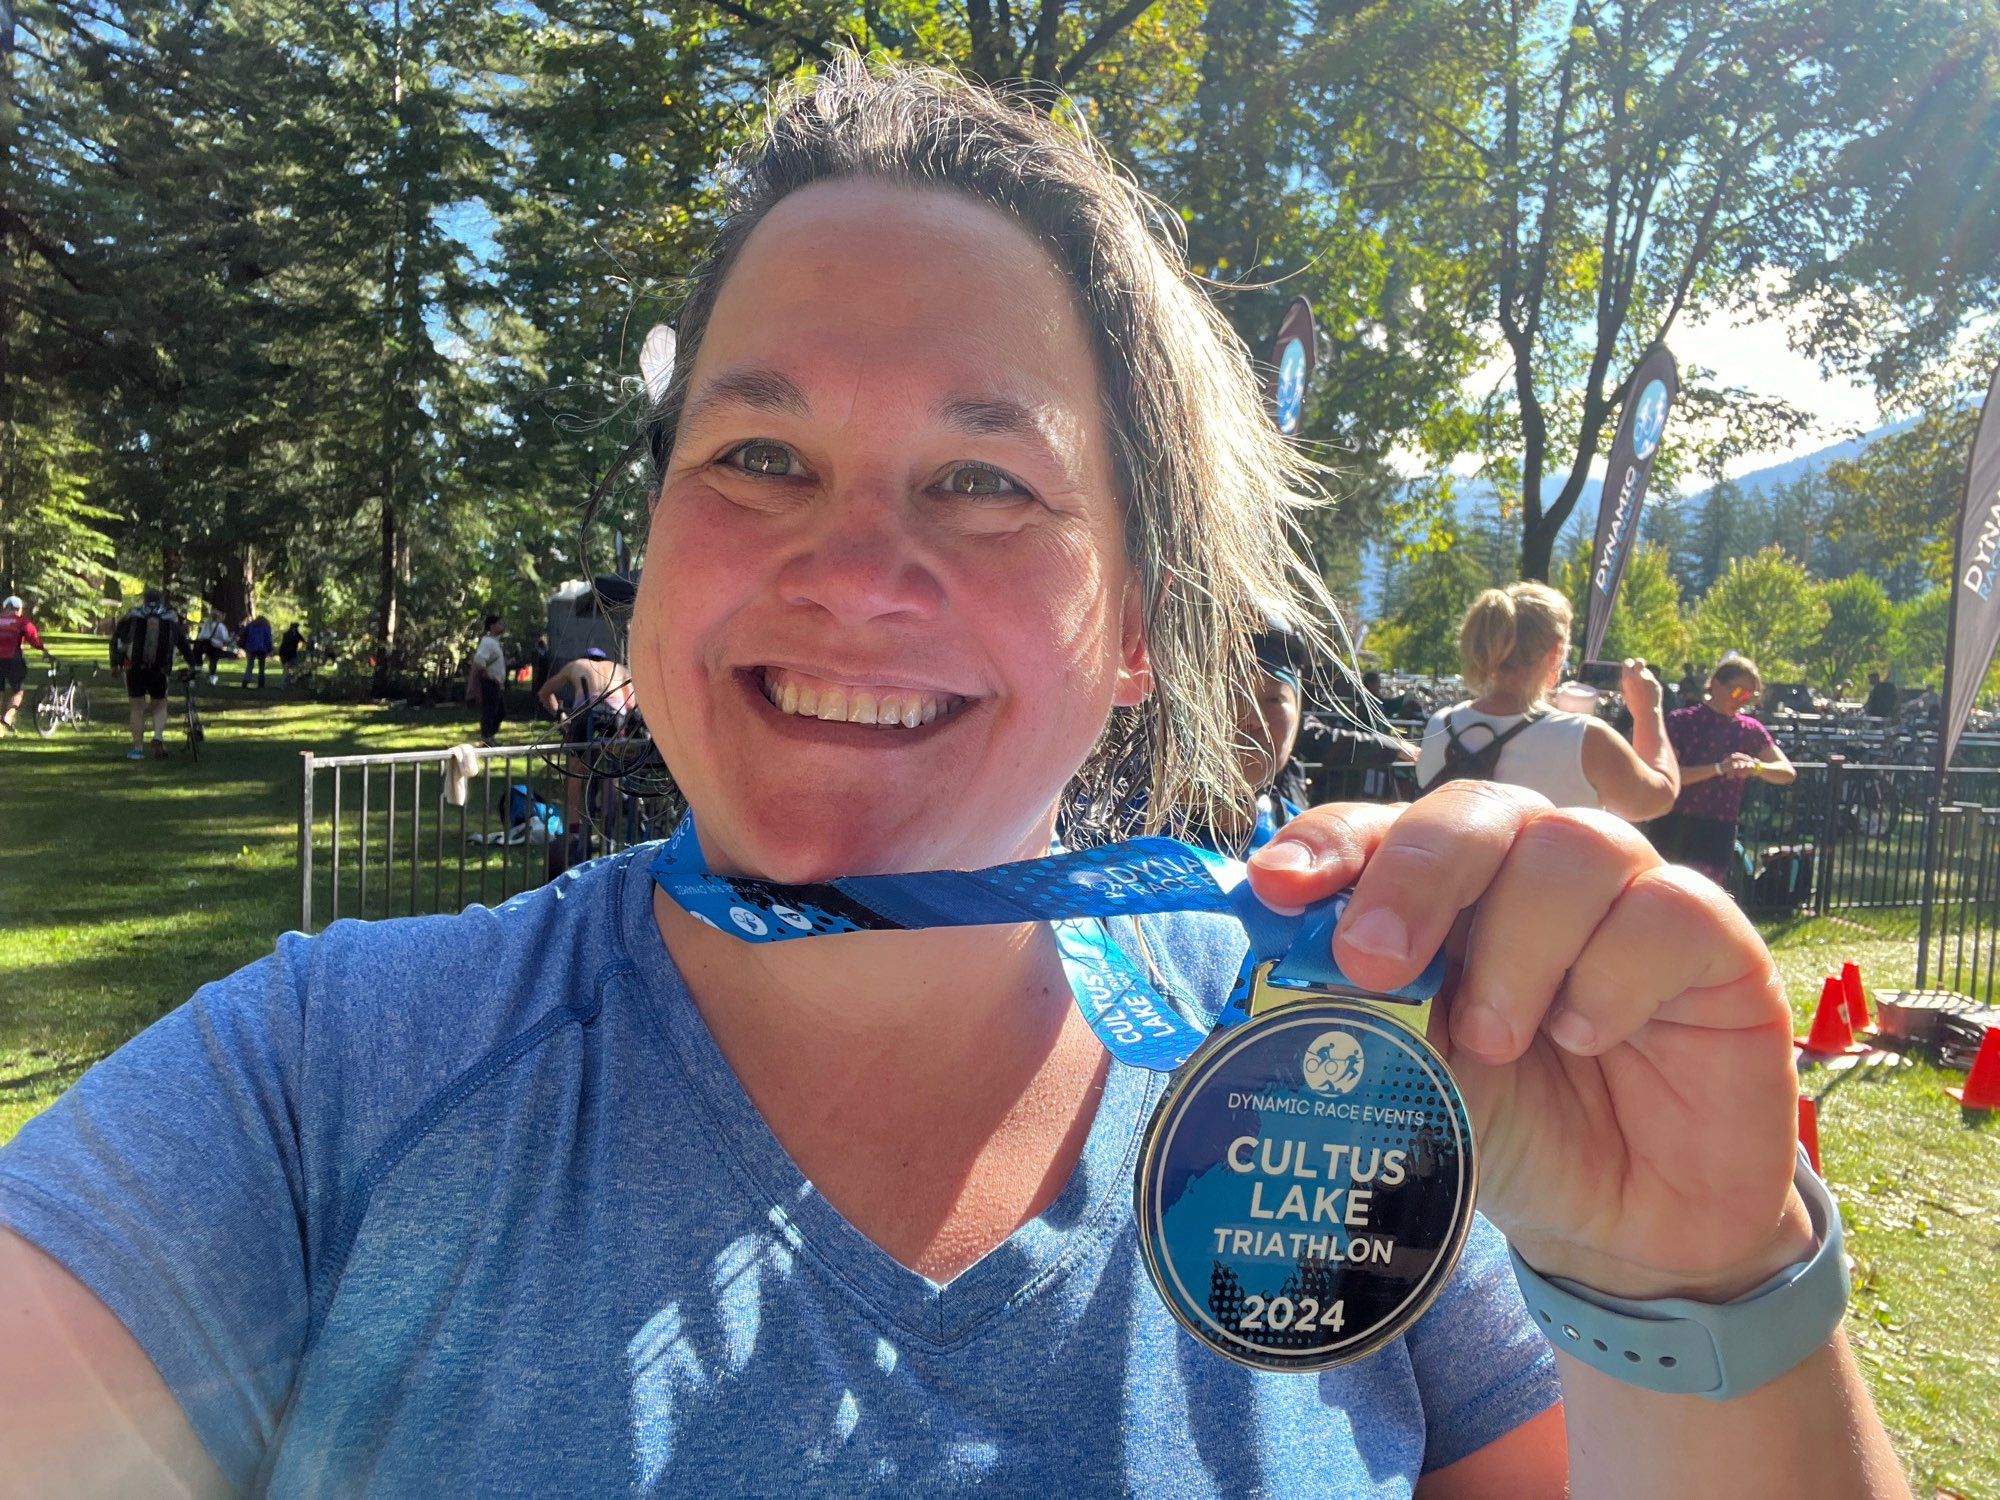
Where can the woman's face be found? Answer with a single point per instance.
(886, 609)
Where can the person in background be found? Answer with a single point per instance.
(489, 673)
(538, 663)
(1690, 688)
(1885, 701)
(592, 696)
(143, 647)
(289, 648)
(212, 643)
(256, 649)
(17, 633)
(1513, 642)
(1721, 749)
(1341, 746)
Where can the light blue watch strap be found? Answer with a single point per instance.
(1717, 1350)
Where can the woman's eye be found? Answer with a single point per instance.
(763, 458)
(980, 482)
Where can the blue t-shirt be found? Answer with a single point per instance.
(473, 1205)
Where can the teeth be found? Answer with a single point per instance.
(835, 704)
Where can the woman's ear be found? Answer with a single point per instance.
(1135, 665)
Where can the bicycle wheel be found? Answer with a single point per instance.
(194, 731)
(80, 717)
(48, 712)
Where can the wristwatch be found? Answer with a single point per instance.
(1718, 1350)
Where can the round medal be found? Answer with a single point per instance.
(1305, 1186)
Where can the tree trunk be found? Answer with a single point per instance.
(388, 590)
(388, 597)
(236, 596)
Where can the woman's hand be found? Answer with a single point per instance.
(1737, 766)
(1641, 688)
(1616, 1025)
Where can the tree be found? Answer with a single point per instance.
(1422, 634)
(1856, 636)
(1646, 617)
(1766, 608)
(1916, 640)
(1899, 498)
(1610, 167)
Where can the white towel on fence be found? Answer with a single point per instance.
(461, 764)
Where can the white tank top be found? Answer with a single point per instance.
(1546, 757)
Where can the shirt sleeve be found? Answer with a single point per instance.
(1482, 1366)
(32, 636)
(1757, 739)
(171, 1181)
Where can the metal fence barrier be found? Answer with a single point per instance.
(378, 836)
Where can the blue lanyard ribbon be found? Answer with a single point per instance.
(1074, 890)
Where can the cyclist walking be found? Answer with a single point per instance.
(17, 634)
(143, 647)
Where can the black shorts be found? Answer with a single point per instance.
(591, 728)
(13, 672)
(145, 682)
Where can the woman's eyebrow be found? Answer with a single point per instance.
(988, 416)
(752, 386)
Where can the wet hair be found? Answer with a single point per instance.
(1508, 633)
(1735, 669)
(1209, 488)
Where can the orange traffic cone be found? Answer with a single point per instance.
(1982, 1084)
(1830, 1035)
(1857, 1001)
(1809, 1129)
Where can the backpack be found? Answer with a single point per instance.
(146, 637)
(1463, 762)
(1784, 878)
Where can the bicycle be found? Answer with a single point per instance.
(191, 718)
(62, 706)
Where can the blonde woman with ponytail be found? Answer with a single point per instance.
(1513, 642)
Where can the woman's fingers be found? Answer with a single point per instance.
(1564, 873)
(1580, 928)
(1319, 852)
(1673, 948)
(1431, 864)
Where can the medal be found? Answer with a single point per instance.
(1306, 1184)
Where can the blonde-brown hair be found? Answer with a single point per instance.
(1737, 669)
(1509, 632)
(1209, 487)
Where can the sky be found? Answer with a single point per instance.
(1755, 354)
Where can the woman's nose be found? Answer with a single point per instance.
(863, 558)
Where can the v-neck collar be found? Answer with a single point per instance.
(1092, 1206)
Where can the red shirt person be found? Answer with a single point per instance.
(1720, 749)
(17, 634)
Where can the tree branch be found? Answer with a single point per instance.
(1103, 37)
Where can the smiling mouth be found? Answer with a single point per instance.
(887, 707)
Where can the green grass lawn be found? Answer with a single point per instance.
(124, 887)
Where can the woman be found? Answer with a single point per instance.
(1721, 750)
(1513, 642)
(963, 491)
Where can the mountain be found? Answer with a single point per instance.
(1791, 469)
(1470, 496)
